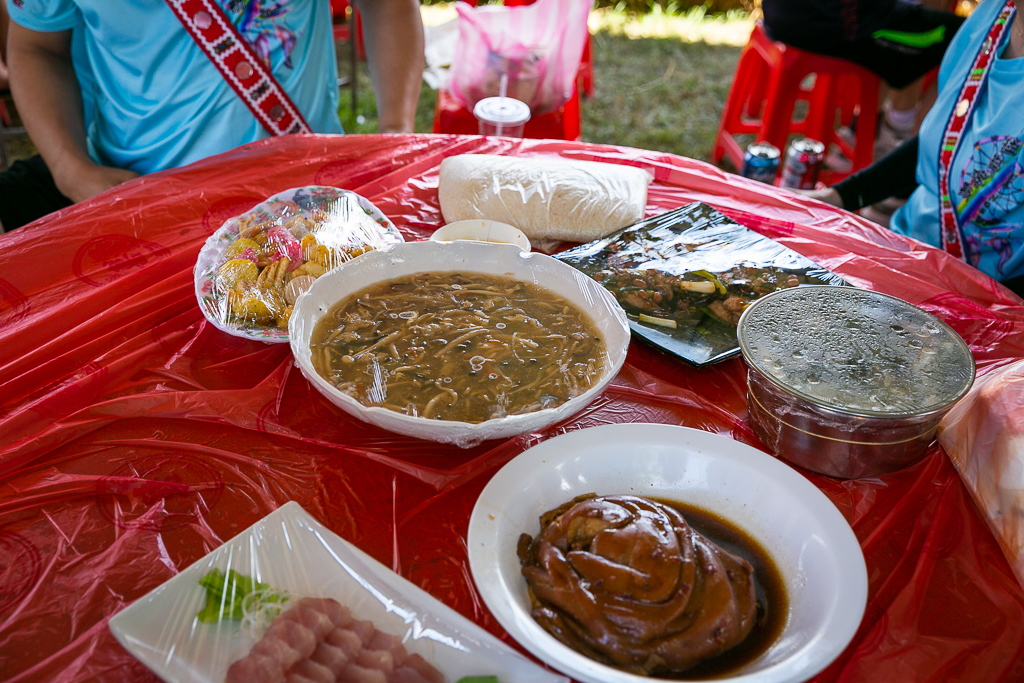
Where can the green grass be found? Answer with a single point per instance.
(657, 93)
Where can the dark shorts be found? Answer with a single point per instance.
(27, 192)
(908, 44)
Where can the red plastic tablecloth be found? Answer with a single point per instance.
(135, 437)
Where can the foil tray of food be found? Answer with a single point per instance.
(684, 278)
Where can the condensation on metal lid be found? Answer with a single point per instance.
(856, 351)
(507, 111)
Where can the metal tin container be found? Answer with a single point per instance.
(847, 382)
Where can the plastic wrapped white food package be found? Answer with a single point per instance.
(462, 257)
(555, 199)
(288, 589)
(983, 435)
(251, 270)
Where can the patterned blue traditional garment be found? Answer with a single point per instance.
(156, 101)
(987, 174)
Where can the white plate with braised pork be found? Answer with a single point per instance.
(625, 552)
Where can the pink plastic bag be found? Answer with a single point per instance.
(984, 437)
(537, 46)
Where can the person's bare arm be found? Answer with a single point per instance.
(393, 32)
(3, 45)
(4, 20)
(49, 100)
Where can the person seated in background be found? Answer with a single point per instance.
(898, 40)
(112, 89)
(965, 168)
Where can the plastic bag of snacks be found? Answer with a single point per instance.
(250, 271)
(984, 437)
(287, 599)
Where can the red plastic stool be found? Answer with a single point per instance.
(564, 124)
(767, 87)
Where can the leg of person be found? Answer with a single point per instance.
(27, 192)
(909, 44)
(3, 45)
(904, 107)
(906, 46)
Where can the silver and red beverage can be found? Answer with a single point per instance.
(803, 164)
(761, 162)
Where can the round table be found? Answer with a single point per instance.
(135, 437)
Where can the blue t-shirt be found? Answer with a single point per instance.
(155, 101)
(987, 168)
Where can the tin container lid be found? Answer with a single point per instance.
(507, 111)
(856, 352)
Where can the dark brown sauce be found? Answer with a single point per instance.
(772, 599)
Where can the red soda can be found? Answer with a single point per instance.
(803, 164)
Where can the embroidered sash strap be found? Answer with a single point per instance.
(952, 237)
(239, 65)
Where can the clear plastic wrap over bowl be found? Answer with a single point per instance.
(467, 257)
(847, 382)
(322, 227)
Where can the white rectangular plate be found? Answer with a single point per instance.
(291, 551)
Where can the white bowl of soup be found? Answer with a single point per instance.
(458, 342)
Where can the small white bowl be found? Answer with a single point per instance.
(467, 257)
(480, 230)
(812, 545)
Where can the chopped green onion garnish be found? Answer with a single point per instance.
(702, 287)
(660, 322)
(713, 278)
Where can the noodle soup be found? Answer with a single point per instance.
(456, 346)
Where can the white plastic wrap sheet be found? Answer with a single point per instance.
(296, 557)
(983, 435)
(555, 199)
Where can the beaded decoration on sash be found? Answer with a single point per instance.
(952, 238)
(239, 65)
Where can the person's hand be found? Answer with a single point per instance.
(828, 195)
(91, 179)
